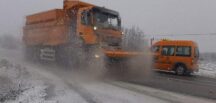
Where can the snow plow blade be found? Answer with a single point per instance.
(118, 54)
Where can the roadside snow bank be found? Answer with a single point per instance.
(19, 84)
(207, 69)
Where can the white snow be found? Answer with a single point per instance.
(34, 86)
(207, 69)
(35, 83)
(106, 93)
(40, 85)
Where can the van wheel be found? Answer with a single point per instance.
(187, 73)
(180, 70)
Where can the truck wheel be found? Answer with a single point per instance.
(31, 53)
(27, 53)
(180, 70)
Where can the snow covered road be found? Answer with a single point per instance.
(207, 69)
(51, 84)
(45, 87)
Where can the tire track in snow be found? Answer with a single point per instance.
(73, 85)
(65, 76)
(88, 97)
(120, 84)
(160, 94)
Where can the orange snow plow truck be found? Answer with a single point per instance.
(74, 34)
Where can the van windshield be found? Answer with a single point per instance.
(155, 49)
(196, 52)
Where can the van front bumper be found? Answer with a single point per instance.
(193, 70)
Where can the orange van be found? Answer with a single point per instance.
(178, 56)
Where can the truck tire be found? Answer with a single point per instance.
(69, 56)
(27, 53)
(31, 54)
(64, 57)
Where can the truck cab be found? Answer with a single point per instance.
(96, 25)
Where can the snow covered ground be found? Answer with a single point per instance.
(207, 69)
(207, 65)
(30, 85)
(23, 85)
(22, 82)
(27, 85)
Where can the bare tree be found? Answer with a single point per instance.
(9, 41)
(134, 39)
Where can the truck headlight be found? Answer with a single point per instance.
(95, 28)
(97, 56)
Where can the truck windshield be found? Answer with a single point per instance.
(108, 21)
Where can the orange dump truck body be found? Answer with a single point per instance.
(46, 28)
(52, 27)
(44, 16)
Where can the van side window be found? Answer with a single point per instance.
(168, 51)
(155, 49)
(183, 51)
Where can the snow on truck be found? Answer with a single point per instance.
(80, 28)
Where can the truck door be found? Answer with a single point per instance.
(165, 59)
(85, 28)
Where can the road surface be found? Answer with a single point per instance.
(191, 85)
(84, 88)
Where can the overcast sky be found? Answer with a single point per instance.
(152, 16)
